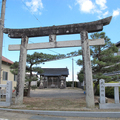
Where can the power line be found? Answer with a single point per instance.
(59, 54)
(30, 12)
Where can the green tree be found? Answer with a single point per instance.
(103, 59)
(80, 75)
(32, 62)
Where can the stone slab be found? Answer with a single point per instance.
(5, 104)
(112, 84)
(109, 106)
(69, 113)
(46, 118)
(58, 30)
(60, 44)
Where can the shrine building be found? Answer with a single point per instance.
(53, 77)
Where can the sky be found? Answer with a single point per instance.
(41, 13)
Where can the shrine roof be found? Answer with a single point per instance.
(55, 72)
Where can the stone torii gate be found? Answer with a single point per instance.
(82, 28)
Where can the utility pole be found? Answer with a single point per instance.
(72, 72)
(1, 33)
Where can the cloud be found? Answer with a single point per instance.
(116, 12)
(105, 14)
(86, 6)
(101, 3)
(35, 6)
(70, 7)
(91, 7)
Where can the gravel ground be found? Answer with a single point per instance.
(58, 93)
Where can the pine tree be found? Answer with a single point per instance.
(103, 59)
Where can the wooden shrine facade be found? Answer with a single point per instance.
(53, 78)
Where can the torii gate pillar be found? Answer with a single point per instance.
(87, 69)
(21, 71)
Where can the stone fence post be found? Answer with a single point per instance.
(9, 92)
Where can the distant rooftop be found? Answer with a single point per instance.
(112, 73)
(117, 44)
(4, 59)
(55, 72)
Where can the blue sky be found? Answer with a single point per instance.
(41, 13)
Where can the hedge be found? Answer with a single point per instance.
(69, 84)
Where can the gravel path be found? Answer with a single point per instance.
(58, 93)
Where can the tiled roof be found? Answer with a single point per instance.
(6, 60)
(55, 72)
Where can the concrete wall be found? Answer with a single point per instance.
(6, 68)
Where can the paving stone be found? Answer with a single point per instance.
(46, 118)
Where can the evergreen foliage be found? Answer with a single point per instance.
(103, 59)
(80, 75)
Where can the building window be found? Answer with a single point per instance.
(15, 77)
(5, 75)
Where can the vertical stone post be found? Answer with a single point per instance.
(116, 94)
(102, 91)
(21, 71)
(52, 38)
(87, 69)
(9, 92)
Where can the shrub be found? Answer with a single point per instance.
(69, 84)
(33, 87)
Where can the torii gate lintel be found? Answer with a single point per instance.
(90, 27)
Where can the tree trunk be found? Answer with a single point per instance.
(29, 85)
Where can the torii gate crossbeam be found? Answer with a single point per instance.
(58, 30)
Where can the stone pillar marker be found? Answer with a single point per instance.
(87, 69)
(9, 92)
(21, 71)
(102, 91)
